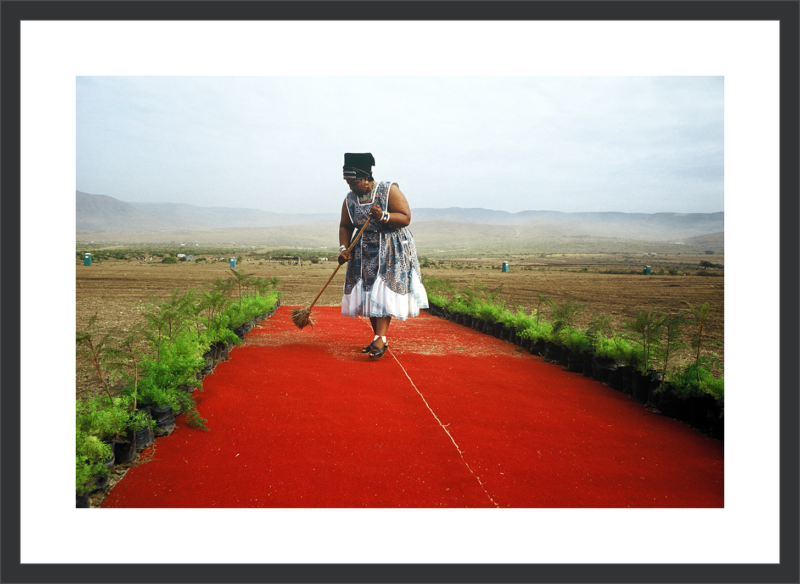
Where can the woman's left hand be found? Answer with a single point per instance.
(376, 212)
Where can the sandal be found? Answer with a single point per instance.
(377, 353)
(370, 346)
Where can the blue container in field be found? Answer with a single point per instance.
(505, 266)
(87, 259)
(233, 262)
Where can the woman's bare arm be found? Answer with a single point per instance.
(346, 228)
(399, 211)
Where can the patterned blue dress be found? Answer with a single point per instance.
(383, 276)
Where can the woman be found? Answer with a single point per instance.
(383, 278)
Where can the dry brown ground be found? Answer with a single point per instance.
(116, 289)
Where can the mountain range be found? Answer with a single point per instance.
(101, 216)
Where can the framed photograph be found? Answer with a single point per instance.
(452, 71)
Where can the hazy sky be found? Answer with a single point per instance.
(631, 144)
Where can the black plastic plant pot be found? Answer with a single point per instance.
(655, 382)
(575, 362)
(716, 422)
(125, 450)
(564, 358)
(698, 411)
(165, 420)
(627, 380)
(146, 436)
(239, 331)
(82, 501)
(552, 352)
(216, 352)
(538, 347)
(98, 484)
(587, 364)
(602, 368)
(497, 332)
(640, 387)
(208, 357)
(672, 405)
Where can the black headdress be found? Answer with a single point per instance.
(358, 165)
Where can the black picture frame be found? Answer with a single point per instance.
(13, 13)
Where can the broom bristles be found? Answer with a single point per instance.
(302, 317)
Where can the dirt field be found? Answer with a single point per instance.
(115, 289)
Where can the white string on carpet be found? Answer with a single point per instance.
(461, 454)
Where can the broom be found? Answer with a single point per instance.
(302, 316)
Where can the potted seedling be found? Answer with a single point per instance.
(624, 354)
(104, 416)
(88, 471)
(538, 333)
(217, 334)
(662, 395)
(696, 377)
(600, 333)
(508, 324)
(519, 322)
(646, 328)
(96, 425)
(564, 317)
(440, 291)
(490, 310)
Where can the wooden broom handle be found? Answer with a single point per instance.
(340, 265)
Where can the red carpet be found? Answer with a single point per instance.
(448, 418)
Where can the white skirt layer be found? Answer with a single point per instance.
(382, 301)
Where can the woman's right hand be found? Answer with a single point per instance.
(344, 256)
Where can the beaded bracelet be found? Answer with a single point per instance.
(385, 218)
